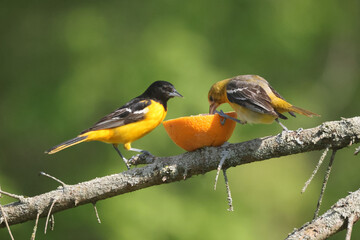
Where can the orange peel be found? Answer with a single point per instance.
(193, 132)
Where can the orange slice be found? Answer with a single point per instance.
(193, 132)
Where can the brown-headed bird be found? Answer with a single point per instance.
(253, 99)
(130, 122)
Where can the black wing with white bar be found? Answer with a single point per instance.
(132, 111)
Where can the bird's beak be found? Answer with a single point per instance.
(175, 94)
(213, 107)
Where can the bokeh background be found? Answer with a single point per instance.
(65, 64)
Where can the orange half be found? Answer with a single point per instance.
(193, 132)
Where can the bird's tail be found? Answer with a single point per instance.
(66, 144)
(303, 112)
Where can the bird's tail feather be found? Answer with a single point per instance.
(303, 111)
(66, 144)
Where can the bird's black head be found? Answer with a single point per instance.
(161, 91)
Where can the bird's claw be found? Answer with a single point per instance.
(146, 153)
(144, 158)
(222, 121)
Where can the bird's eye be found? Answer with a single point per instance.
(211, 99)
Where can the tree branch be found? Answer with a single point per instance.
(334, 220)
(335, 135)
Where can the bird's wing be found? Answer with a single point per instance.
(249, 95)
(279, 96)
(132, 111)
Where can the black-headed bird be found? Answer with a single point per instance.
(130, 122)
(253, 99)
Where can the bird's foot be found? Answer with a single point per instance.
(225, 116)
(144, 158)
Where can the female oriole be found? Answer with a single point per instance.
(130, 122)
(253, 99)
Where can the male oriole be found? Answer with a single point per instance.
(130, 122)
(253, 99)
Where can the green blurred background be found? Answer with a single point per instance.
(65, 64)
